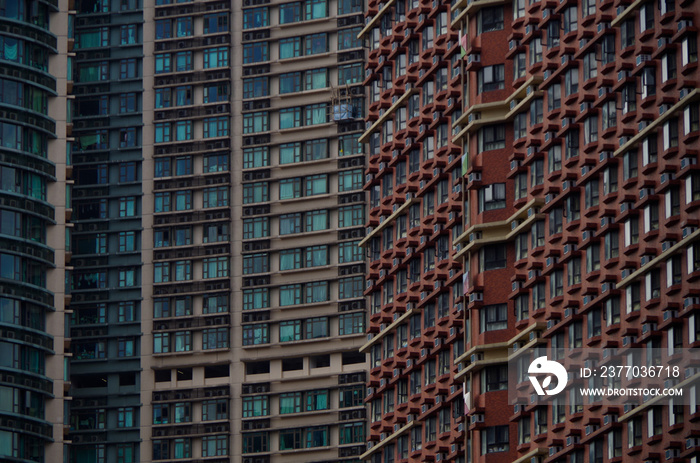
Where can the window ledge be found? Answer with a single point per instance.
(314, 91)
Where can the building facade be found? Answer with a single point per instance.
(297, 226)
(414, 281)
(34, 207)
(580, 216)
(217, 283)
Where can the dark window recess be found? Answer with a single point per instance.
(127, 379)
(89, 381)
(293, 364)
(351, 358)
(162, 376)
(184, 374)
(216, 371)
(257, 368)
(320, 361)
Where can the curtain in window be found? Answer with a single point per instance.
(287, 261)
(317, 293)
(11, 49)
(319, 221)
(288, 190)
(318, 115)
(289, 295)
(320, 257)
(288, 332)
(319, 79)
(288, 404)
(289, 154)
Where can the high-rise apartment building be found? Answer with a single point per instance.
(580, 157)
(217, 283)
(297, 225)
(34, 207)
(414, 282)
(109, 204)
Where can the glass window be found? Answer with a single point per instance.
(255, 52)
(255, 17)
(218, 22)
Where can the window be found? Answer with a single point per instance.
(183, 27)
(492, 197)
(587, 8)
(554, 158)
(258, 333)
(127, 206)
(125, 348)
(494, 378)
(491, 78)
(127, 172)
(255, 52)
(258, 405)
(646, 16)
(352, 433)
(127, 137)
(215, 445)
(536, 51)
(492, 137)
(347, 38)
(216, 303)
(689, 49)
(127, 68)
(290, 117)
(494, 439)
(536, 115)
(691, 118)
(215, 163)
(290, 82)
(253, 157)
(127, 103)
(256, 263)
(554, 97)
(349, 6)
(590, 134)
(350, 216)
(350, 74)
(256, 192)
(258, 227)
(252, 88)
(127, 241)
(349, 288)
(590, 66)
(252, 18)
(349, 180)
(571, 82)
(670, 134)
(215, 57)
(648, 82)
(255, 442)
(256, 299)
(125, 417)
(490, 19)
(256, 122)
(493, 317)
(627, 35)
(215, 267)
(353, 323)
(215, 338)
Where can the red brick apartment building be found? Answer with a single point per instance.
(541, 191)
